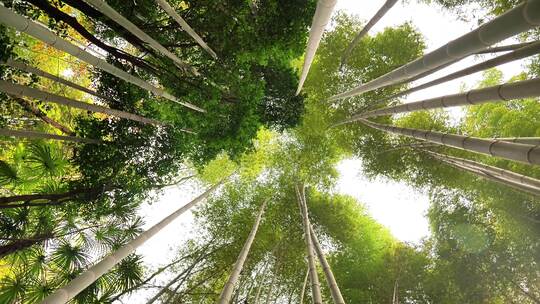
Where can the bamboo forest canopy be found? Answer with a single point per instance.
(250, 107)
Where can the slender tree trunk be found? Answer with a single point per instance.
(499, 93)
(526, 51)
(30, 69)
(258, 294)
(330, 279)
(41, 33)
(108, 11)
(303, 292)
(183, 24)
(314, 279)
(227, 291)
(514, 151)
(522, 18)
(320, 19)
(28, 106)
(24, 91)
(46, 136)
(504, 48)
(75, 286)
(380, 13)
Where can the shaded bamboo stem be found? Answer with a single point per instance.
(513, 151)
(314, 279)
(320, 19)
(330, 279)
(380, 13)
(499, 93)
(185, 26)
(40, 135)
(226, 293)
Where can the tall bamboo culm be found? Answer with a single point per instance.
(380, 13)
(108, 11)
(529, 49)
(499, 93)
(320, 20)
(46, 136)
(519, 19)
(505, 176)
(314, 279)
(529, 154)
(25, 91)
(303, 290)
(488, 176)
(330, 279)
(185, 26)
(75, 286)
(30, 69)
(226, 293)
(36, 30)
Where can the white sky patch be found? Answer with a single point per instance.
(67, 73)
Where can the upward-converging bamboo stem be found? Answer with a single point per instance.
(380, 13)
(82, 281)
(504, 48)
(46, 136)
(185, 26)
(227, 291)
(108, 11)
(522, 180)
(330, 279)
(303, 291)
(314, 279)
(526, 51)
(514, 151)
(521, 18)
(504, 92)
(320, 19)
(41, 33)
(24, 91)
(30, 69)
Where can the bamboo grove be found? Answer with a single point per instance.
(252, 108)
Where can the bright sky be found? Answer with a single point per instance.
(395, 205)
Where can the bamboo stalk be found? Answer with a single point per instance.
(528, 50)
(380, 13)
(529, 154)
(320, 19)
(314, 279)
(499, 93)
(522, 180)
(25, 25)
(82, 281)
(330, 279)
(108, 11)
(519, 19)
(488, 176)
(302, 293)
(226, 293)
(30, 69)
(522, 140)
(185, 26)
(24, 91)
(47, 136)
(504, 48)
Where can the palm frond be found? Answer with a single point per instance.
(8, 174)
(47, 161)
